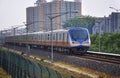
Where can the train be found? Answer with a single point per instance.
(73, 40)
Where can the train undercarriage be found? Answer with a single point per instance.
(60, 49)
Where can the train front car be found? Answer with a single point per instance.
(79, 40)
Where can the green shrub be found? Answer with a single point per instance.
(109, 42)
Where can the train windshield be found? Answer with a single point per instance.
(79, 34)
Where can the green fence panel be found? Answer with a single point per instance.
(37, 70)
(58, 74)
(52, 73)
(20, 67)
(45, 73)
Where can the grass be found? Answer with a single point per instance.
(76, 75)
(3, 74)
(59, 69)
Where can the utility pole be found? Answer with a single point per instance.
(51, 24)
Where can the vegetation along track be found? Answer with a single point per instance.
(102, 57)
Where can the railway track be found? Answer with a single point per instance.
(106, 57)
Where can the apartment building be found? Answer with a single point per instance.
(107, 24)
(38, 17)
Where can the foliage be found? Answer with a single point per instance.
(80, 21)
(3, 74)
(109, 42)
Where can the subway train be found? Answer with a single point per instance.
(73, 40)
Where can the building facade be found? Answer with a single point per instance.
(40, 14)
(115, 22)
(107, 24)
(31, 19)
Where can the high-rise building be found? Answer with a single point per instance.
(40, 14)
(107, 24)
(99, 26)
(115, 21)
(32, 18)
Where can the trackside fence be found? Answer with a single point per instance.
(19, 67)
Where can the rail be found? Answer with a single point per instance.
(100, 56)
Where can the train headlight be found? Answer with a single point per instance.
(87, 42)
(75, 43)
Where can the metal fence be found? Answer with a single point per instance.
(19, 67)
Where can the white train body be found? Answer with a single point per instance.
(70, 40)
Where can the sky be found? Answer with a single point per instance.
(13, 12)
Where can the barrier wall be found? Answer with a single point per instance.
(19, 67)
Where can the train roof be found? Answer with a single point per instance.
(59, 30)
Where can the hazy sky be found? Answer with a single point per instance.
(13, 12)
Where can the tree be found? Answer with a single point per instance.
(110, 42)
(80, 21)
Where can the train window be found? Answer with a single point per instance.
(48, 37)
(38, 36)
(53, 36)
(16, 38)
(59, 36)
(63, 36)
(29, 36)
(22, 37)
(56, 37)
(42, 36)
(26, 36)
(45, 36)
(67, 37)
(34, 36)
